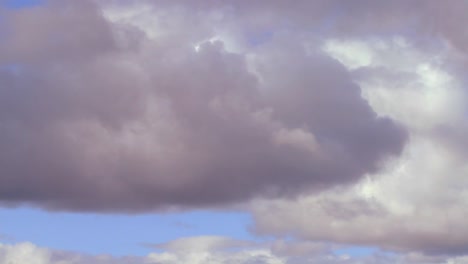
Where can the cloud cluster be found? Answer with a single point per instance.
(418, 201)
(216, 250)
(110, 107)
(349, 118)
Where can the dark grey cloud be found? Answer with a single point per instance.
(97, 116)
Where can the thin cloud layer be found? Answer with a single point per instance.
(109, 107)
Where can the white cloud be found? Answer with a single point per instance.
(24, 253)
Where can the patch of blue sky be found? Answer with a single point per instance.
(117, 234)
(21, 3)
(353, 251)
(260, 38)
(11, 68)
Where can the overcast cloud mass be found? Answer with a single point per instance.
(332, 122)
(100, 112)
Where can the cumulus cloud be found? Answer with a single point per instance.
(418, 201)
(107, 106)
(332, 121)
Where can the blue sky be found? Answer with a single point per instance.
(127, 235)
(22, 3)
(117, 234)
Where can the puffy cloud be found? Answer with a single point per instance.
(24, 253)
(418, 201)
(110, 107)
(349, 117)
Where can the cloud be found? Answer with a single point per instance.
(26, 252)
(418, 202)
(330, 121)
(108, 107)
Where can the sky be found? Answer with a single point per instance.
(233, 132)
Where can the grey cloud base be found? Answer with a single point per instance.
(102, 116)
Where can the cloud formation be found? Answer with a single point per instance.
(331, 121)
(216, 250)
(418, 202)
(110, 107)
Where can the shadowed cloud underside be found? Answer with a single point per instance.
(97, 115)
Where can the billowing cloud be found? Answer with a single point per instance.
(416, 203)
(109, 107)
(332, 121)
